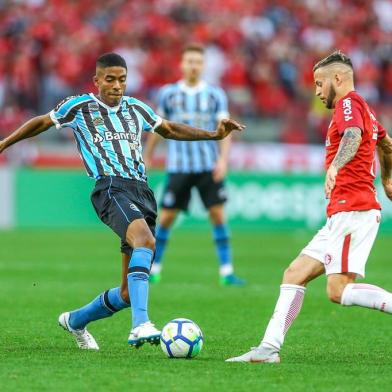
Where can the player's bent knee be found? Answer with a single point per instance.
(142, 238)
(334, 293)
(293, 275)
(334, 297)
(145, 240)
(336, 284)
(287, 274)
(150, 242)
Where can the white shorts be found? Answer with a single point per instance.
(344, 243)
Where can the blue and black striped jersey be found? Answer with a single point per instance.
(108, 138)
(201, 106)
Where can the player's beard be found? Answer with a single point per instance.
(193, 77)
(330, 98)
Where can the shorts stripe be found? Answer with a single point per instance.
(346, 248)
(121, 209)
(112, 197)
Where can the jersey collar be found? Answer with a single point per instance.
(346, 96)
(194, 89)
(107, 107)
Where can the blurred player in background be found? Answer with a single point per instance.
(341, 248)
(107, 128)
(197, 164)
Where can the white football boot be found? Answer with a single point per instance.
(144, 333)
(258, 355)
(83, 338)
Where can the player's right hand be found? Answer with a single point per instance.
(330, 181)
(226, 126)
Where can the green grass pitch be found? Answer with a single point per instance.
(43, 273)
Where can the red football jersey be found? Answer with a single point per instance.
(354, 189)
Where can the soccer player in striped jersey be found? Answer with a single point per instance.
(108, 129)
(341, 248)
(194, 164)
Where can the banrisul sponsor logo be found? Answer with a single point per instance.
(347, 110)
(110, 136)
(98, 138)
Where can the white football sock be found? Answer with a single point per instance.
(226, 269)
(368, 296)
(156, 268)
(286, 310)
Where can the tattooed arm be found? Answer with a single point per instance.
(384, 151)
(348, 147)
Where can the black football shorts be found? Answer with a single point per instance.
(119, 201)
(178, 189)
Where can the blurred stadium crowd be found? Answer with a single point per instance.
(260, 51)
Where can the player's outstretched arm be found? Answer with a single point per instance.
(177, 131)
(31, 128)
(348, 147)
(384, 152)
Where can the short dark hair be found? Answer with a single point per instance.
(111, 60)
(193, 47)
(336, 57)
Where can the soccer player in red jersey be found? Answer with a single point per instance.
(341, 248)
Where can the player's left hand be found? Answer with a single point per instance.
(330, 180)
(220, 170)
(388, 188)
(226, 126)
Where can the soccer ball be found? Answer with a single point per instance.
(181, 338)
